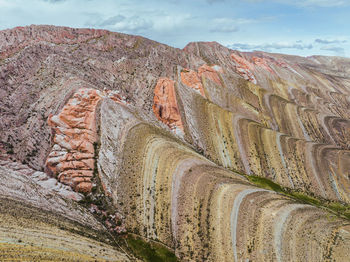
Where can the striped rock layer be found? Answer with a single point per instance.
(75, 135)
(202, 211)
(40, 222)
(168, 133)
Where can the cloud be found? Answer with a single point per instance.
(306, 3)
(120, 23)
(323, 3)
(263, 24)
(215, 1)
(54, 1)
(112, 20)
(223, 25)
(172, 23)
(327, 42)
(335, 49)
(228, 25)
(299, 45)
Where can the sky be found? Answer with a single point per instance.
(298, 27)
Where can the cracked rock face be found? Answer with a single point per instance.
(165, 105)
(219, 155)
(72, 157)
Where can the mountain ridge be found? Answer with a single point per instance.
(215, 153)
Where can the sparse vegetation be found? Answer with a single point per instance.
(338, 208)
(265, 183)
(149, 251)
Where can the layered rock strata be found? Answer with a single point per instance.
(37, 223)
(165, 105)
(204, 212)
(72, 155)
(176, 128)
(244, 68)
(72, 158)
(41, 179)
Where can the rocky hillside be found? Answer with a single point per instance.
(115, 147)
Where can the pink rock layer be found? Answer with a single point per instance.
(165, 105)
(210, 72)
(41, 179)
(72, 156)
(263, 63)
(244, 68)
(13, 40)
(192, 79)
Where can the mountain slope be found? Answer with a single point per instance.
(217, 154)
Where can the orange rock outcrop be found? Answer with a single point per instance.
(191, 79)
(210, 72)
(72, 156)
(165, 105)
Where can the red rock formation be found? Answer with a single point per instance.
(244, 68)
(165, 106)
(263, 63)
(210, 72)
(191, 79)
(72, 156)
(266, 62)
(291, 130)
(115, 96)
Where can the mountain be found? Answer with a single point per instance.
(116, 147)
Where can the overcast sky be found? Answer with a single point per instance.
(301, 27)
